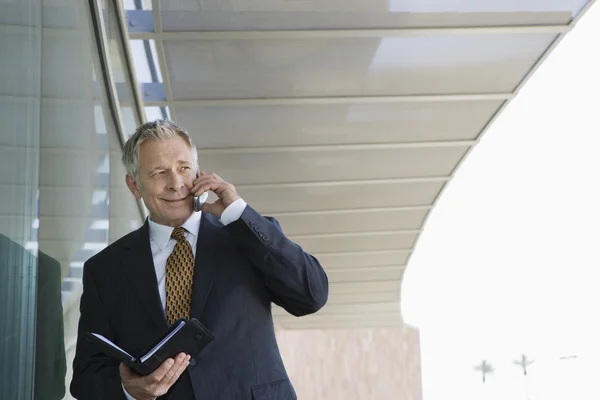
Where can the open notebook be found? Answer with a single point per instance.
(183, 336)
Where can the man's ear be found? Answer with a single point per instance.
(133, 186)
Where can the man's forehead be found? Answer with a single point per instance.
(165, 159)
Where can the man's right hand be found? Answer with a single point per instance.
(157, 383)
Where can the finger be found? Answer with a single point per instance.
(161, 371)
(216, 187)
(212, 177)
(175, 371)
(204, 175)
(181, 369)
(125, 372)
(205, 180)
(198, 182)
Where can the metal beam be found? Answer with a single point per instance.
(329, 318)
(105, 71)
(348, 211)
(349, 33)
(7, 29)
(361, 182)
(334, 147)
(355, 234)
(365, 252)
(158, 90)
(360, 322)
(128, 63)
(395, 267)
(333, 100)
(346, 298)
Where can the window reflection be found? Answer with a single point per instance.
(58, 147)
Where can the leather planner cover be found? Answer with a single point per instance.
(189, 337)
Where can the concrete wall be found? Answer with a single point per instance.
(378, 364)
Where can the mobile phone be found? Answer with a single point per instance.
(198, 201)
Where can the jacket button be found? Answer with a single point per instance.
(192, 362)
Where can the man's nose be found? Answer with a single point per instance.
(175, 181)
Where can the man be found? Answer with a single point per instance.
(238, 262)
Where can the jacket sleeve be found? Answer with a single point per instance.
(295, 278)
(95, 376)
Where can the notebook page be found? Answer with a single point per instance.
(105, 340)
(162, 342)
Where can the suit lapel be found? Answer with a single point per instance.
(207, 247)
(139, 265)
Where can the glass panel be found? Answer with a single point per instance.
(154, 113)
(20, 93)
(257, 166)
(128, 119)
(137, 4)
(310, 197)
(321, 124)
(351, 67)
(55, 148)
(147, 66)
(191, 15)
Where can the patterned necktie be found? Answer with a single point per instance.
(179, 278)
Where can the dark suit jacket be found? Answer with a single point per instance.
(240, 269)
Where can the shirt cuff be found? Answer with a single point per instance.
(233, 212)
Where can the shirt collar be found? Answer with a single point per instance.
(160, 234)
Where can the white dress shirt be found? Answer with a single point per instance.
(162, 244)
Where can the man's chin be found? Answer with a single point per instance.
(174, 217)
(181, 212)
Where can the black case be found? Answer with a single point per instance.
(191, 339)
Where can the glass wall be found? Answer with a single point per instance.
(59, 157)
(20, 93)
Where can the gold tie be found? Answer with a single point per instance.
(179, 278)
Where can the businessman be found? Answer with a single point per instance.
(224, 265)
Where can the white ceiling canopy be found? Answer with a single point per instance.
(345, 119)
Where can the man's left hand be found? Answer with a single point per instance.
(224, 190)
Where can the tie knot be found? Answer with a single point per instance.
(178, 233)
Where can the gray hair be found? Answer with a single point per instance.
(156, 130)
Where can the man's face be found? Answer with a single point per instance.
(165, 176)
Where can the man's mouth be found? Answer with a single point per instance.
(174, 201)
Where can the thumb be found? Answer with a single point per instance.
(202, 173)
(125, 372)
